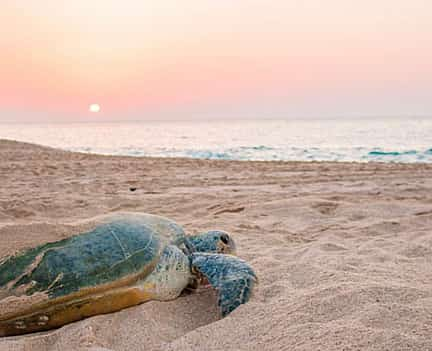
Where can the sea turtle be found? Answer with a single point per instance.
(117, 261)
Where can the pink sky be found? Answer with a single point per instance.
(214, 59)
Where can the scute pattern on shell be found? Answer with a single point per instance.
(118, 245)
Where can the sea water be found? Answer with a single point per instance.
(362, 140)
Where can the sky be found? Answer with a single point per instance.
(209, 59)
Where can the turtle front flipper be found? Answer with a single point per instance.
(232, 277)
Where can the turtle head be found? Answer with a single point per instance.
(213, 241)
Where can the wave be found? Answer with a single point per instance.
(260, 148)
(207, 154)
(268, 153)
(392, 153)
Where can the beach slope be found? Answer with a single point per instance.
(343, 251)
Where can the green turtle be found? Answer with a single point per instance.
(117, 261)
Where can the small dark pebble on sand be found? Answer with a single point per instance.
(132, 189)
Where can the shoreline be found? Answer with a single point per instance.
(3, 142)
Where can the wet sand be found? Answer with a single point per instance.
(343, 251)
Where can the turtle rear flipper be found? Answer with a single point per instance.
(232, 277)
(46, 316)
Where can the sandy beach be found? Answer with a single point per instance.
(343, 251)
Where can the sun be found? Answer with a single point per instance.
(94, 108)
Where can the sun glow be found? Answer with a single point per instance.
(94, 108)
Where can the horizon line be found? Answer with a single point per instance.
(197, 119)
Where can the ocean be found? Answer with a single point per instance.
(362, 140)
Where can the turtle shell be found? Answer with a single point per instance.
(113, 252)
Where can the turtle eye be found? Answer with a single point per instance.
(224, 238)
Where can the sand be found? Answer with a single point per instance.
(343, 251)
